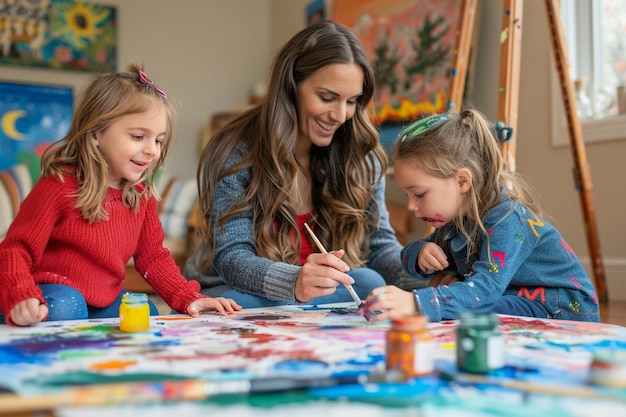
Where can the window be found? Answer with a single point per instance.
(596, 41)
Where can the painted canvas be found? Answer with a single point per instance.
(411, 45)
(547, 363)
(32, 116)
(61, 34)
(315, 11)
(252, 344)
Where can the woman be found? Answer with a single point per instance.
(308, 154)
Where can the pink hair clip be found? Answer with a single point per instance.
(144, 79)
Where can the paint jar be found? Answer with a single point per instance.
(134, 313)
(621, 99)
(409, 350)
(584, 107)
(608, 368)
(479, 343)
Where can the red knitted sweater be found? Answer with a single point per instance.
(50, 242)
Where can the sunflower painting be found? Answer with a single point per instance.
(61, 34)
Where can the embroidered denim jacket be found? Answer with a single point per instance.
(525, 257)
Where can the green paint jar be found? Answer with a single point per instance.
(479, 343)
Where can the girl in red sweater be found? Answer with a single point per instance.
(95, 206)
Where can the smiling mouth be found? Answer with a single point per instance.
(324, 126)
(141, 166)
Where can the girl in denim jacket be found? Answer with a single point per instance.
(496, 251)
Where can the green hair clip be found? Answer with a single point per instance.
(423, 125)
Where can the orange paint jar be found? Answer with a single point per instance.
(409, 348)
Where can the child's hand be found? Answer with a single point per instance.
(27, 312)
(432, 258)
(222, 305)
(390, 302)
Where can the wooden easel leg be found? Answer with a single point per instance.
(581, 170)
(510, 65)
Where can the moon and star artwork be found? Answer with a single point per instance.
(31, 117)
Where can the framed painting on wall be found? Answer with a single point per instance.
(31, 118)
(61, 34)
(418, 50)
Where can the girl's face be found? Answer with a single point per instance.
(133, 143)
(434, 200)
(326, 99)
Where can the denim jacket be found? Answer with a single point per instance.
(525, 257)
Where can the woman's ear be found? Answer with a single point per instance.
(464, 180)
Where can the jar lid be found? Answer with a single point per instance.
(478, 319)
(410, 322)
(134, 298)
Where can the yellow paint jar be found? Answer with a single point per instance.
(134, 313)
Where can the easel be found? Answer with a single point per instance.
(508, 99)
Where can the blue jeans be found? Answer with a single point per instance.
(365, 280)
(520, 306)
(67, 303)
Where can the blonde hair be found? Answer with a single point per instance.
(107, 98)
(443, 144)
(344, 174)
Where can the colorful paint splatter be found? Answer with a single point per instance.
(316, 342)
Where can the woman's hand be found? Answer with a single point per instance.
(29, 311)
(388, 302)
(432, 258)
(222, 305)
(321, 274)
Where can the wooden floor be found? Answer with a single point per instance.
(614, 312)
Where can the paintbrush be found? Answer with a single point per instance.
(152, 392)
(322, 249)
